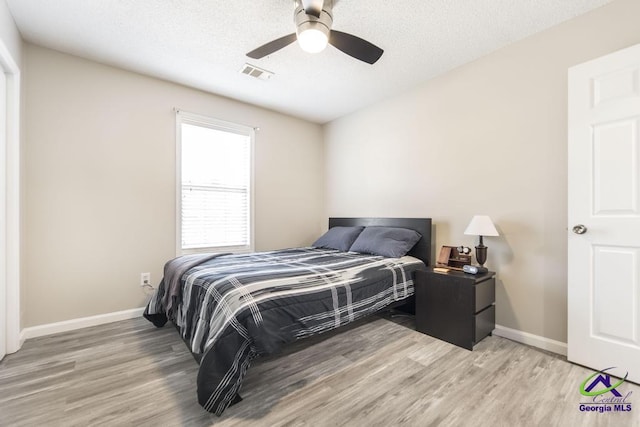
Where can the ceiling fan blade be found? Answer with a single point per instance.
(312, 7)
(355, 46)
(272, 46)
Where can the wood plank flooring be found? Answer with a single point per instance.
(378, 372)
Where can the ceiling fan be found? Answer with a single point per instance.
(313, 19)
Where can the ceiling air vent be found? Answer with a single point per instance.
(258, 73)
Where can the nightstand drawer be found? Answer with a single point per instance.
(484, 323)
(485, 294)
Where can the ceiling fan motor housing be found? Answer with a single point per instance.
(309, 22)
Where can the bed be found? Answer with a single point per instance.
(232, 308)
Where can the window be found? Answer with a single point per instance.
(215, 175)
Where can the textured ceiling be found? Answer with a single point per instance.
(202, 43)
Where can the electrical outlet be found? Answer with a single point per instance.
(145, 279)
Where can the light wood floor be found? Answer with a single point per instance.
(379, 372)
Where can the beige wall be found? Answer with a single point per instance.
(487, 138)
(100, 182)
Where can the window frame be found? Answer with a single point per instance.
(221, 125)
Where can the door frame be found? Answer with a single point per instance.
(12, 195)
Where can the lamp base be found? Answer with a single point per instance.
(481, 254)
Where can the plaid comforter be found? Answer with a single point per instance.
(231, 308)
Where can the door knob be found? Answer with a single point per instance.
(579, 229)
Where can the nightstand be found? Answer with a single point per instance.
(455, 307)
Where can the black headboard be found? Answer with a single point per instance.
(422, 249)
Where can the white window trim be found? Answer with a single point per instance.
(200, 120)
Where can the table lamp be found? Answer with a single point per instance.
(481, 225)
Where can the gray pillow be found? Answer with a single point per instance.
(389, 242)
(340, 238)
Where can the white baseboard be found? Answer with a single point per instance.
(22, 338)
(83, 322)
(531, 339)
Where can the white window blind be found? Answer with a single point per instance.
(215, 184)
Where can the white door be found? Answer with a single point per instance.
(604, 198)
(3, 217)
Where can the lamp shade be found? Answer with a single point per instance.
(481, 225)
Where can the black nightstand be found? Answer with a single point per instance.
(455, 307)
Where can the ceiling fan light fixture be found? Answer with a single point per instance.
(312, 32)
(312, 40)
(313, 20)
